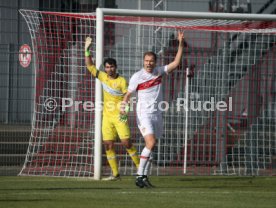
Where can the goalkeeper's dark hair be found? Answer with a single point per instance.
(150, 53)
(110, 61)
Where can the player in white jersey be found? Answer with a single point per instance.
(148, 84)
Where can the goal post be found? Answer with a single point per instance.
(98, 99)
(173, 14)
(234, 62)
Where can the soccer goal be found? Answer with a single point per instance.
(219, 121)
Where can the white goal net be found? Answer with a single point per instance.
(234, 68)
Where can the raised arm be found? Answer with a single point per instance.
(88, 58)
(173, 65)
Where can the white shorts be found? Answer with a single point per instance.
(151, 124)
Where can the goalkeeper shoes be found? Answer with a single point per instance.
(112, 178)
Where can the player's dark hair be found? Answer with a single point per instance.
(150, 53)
(110, 61)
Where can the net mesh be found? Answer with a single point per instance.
(233, 63)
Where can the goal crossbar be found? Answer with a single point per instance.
(101, 12)
(194, 15)
(124, 35)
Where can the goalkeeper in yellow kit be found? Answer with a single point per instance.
(113, 124)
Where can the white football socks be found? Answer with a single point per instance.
(144, 160)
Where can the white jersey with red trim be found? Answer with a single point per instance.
(149, 89)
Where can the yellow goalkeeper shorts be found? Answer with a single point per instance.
(112, 128)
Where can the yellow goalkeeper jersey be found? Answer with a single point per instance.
(113, 91)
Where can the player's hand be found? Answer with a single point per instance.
(123, 118)
(180, 37)
(88, 43)
(123, 108)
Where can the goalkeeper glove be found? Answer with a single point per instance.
(123, 118)
(88, 44)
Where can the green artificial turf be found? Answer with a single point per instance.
(170, 192)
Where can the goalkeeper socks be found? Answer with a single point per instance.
(148, 165)
(133, 154)
(111, 158)
(143, 160)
